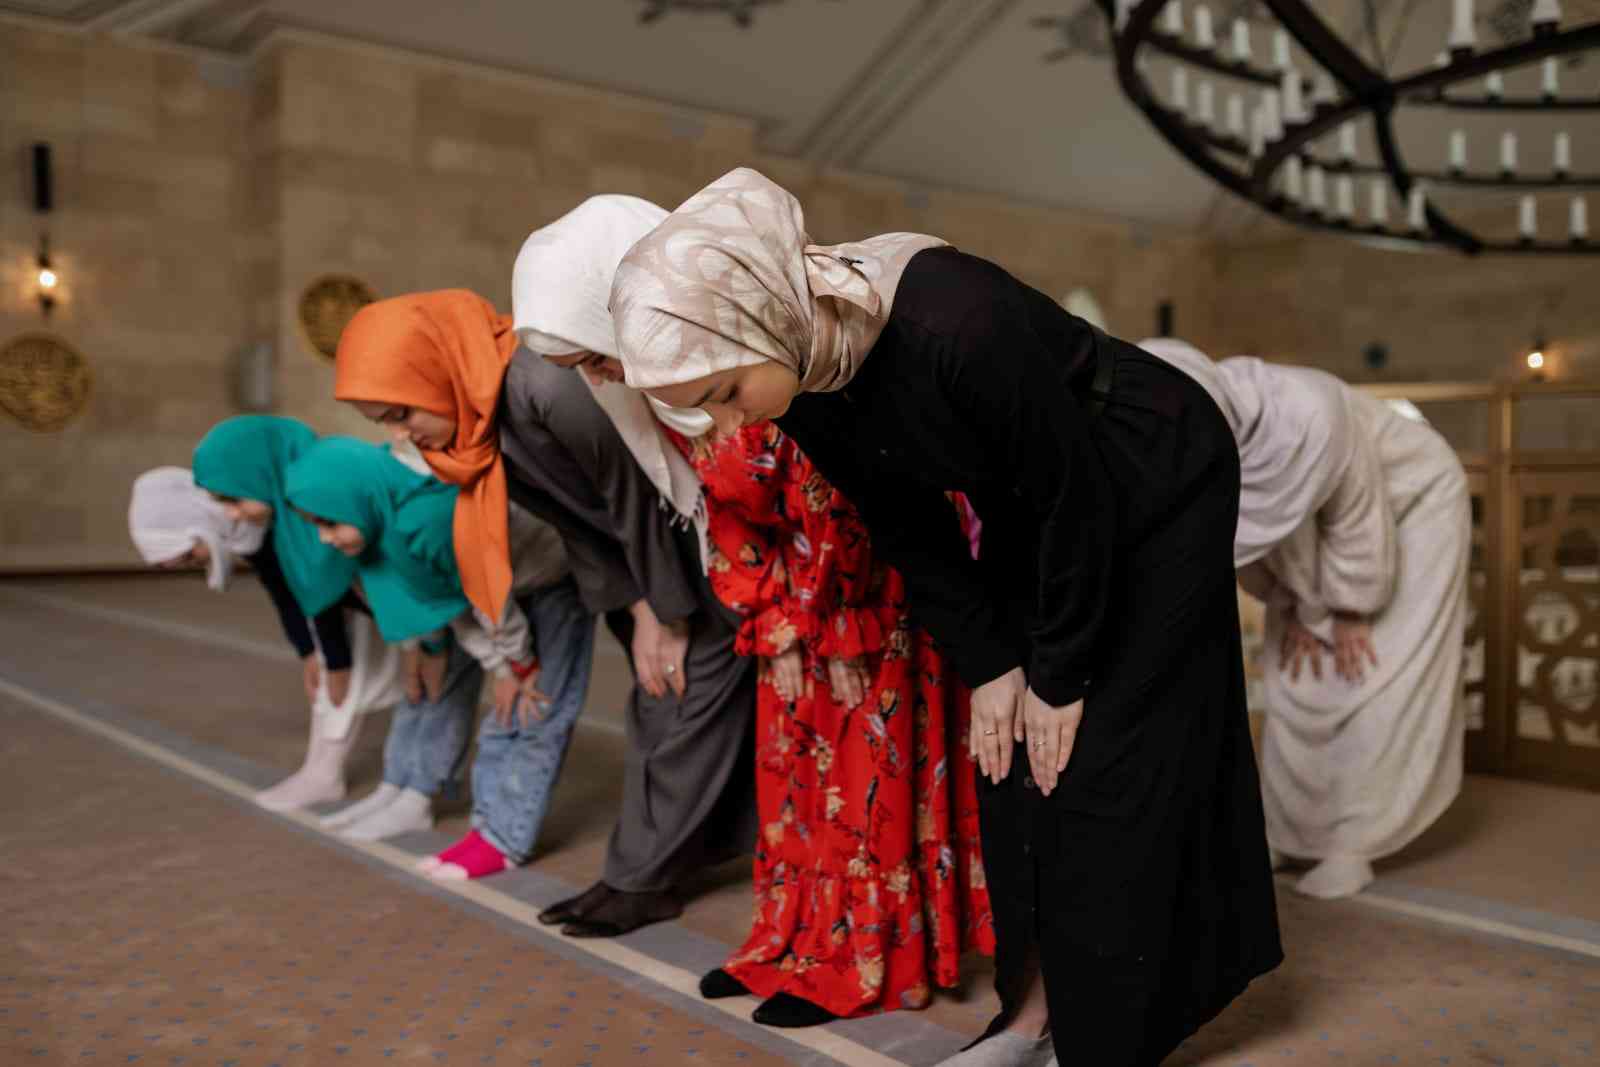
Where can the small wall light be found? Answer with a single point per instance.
(48, 278)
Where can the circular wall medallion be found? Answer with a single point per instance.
(44, 382)
(326, 308)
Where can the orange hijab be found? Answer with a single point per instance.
(445, 352)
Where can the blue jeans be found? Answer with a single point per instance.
(427, 743)
(516, 769)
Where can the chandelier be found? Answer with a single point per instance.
(1280, 129)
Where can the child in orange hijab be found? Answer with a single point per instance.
(443, 371)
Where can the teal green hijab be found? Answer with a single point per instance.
(408, 569)
(248, 457)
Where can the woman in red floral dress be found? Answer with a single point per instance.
(868, 873)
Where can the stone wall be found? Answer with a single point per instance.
(1321, 300)
(198, 198)
(419, 173)
(145, 237)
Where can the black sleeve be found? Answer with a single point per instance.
(265, 562)
(1007, 380)
(332, 638)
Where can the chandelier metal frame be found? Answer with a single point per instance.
(1254, 167)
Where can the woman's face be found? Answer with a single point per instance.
(428, 430)
(198, 555)
(595, 367)
(241, 509)
(737, 397)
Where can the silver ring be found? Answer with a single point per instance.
(1038, 744)
(671, 669)
(990, 733)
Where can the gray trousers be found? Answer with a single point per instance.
(688, 790)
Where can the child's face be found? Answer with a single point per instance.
(341, 536)
(197, 556)
(239, 509)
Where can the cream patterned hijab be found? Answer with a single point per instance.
(731, 279)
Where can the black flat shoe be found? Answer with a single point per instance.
(791, 1012)
(563, 911)
(719, 983)
(622, 912)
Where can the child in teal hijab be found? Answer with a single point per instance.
(394, 525)
(397, 525)
(396, 528)
(242, 462)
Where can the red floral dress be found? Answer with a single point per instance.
(868, 873)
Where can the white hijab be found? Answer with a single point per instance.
(169, 513)
(1294, 437)
(559, 291)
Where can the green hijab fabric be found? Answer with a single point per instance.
(248, 458)
(408, 568)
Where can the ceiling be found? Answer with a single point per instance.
(1012, 97)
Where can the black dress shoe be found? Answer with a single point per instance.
(719, 983)
(576, 907)
(791, 1012)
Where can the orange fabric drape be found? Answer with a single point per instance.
(445, 352)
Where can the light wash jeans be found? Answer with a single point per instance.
(516, 769)
(427, 744)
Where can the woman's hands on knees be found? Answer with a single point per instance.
(996, 723)
(1051, 733)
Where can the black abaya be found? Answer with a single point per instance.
(1106, 574)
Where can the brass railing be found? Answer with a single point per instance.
(1533, 644)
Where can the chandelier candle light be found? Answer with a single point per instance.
(1274, 160)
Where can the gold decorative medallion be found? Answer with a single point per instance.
(44, 382)
(326, 308)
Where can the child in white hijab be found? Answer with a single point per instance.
(176, 523)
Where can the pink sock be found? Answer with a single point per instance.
(474, 856)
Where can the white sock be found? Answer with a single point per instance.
(1005, 1049)
(410, 810)
(1335, 877)
(379, 798)
(320, 779)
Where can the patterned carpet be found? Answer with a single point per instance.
(149, 920)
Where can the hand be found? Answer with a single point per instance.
(411, 674)
(338, 686)
(787, 670)
(1050, 734)
(996, 723)
(1352, 643)
(1299, 644)
(518, 701)
(658, 652)
(430, 674)
(848, 677)
(311, 675)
